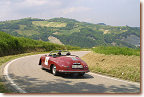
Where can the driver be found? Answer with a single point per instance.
(68, 54)
(59, 53)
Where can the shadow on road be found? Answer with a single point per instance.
(69, 76)
(86, 76)
(35, 85)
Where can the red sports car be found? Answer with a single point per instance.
(63, 62)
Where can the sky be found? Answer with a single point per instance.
(110, 12)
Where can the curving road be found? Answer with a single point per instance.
(26, 76)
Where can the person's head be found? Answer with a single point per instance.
(59, 53)
(68, 53)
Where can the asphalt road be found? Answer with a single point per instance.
(26, 76)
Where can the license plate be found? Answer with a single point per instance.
(77, 66)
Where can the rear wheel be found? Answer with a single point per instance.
(39, 62)
(54, 72)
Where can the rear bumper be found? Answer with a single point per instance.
(70, 71)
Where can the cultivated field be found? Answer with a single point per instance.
(49, 24)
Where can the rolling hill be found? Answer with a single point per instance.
(10, 45)
(72, 32)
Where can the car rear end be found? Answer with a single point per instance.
(75, 67)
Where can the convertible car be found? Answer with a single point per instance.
(63, 62)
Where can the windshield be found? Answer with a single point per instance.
(59, 53)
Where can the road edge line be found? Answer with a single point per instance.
(12, 83)
(113, 78)
(7, 77)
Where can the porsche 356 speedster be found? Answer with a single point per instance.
(63, 62)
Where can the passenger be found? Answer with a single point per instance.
(59, 53)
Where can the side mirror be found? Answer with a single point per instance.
(54, 55)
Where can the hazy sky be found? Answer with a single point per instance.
(111, 12)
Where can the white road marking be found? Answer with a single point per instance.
(117, 79)
(10, 80)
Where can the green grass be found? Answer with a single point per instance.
(120, 66)
(125, 72)
(116, 50)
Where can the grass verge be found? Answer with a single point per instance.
(120, 66)
(116, 50)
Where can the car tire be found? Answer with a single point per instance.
(54, 72)
(39, 62)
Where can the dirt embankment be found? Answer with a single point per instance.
(54, 40)
(125, 67)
